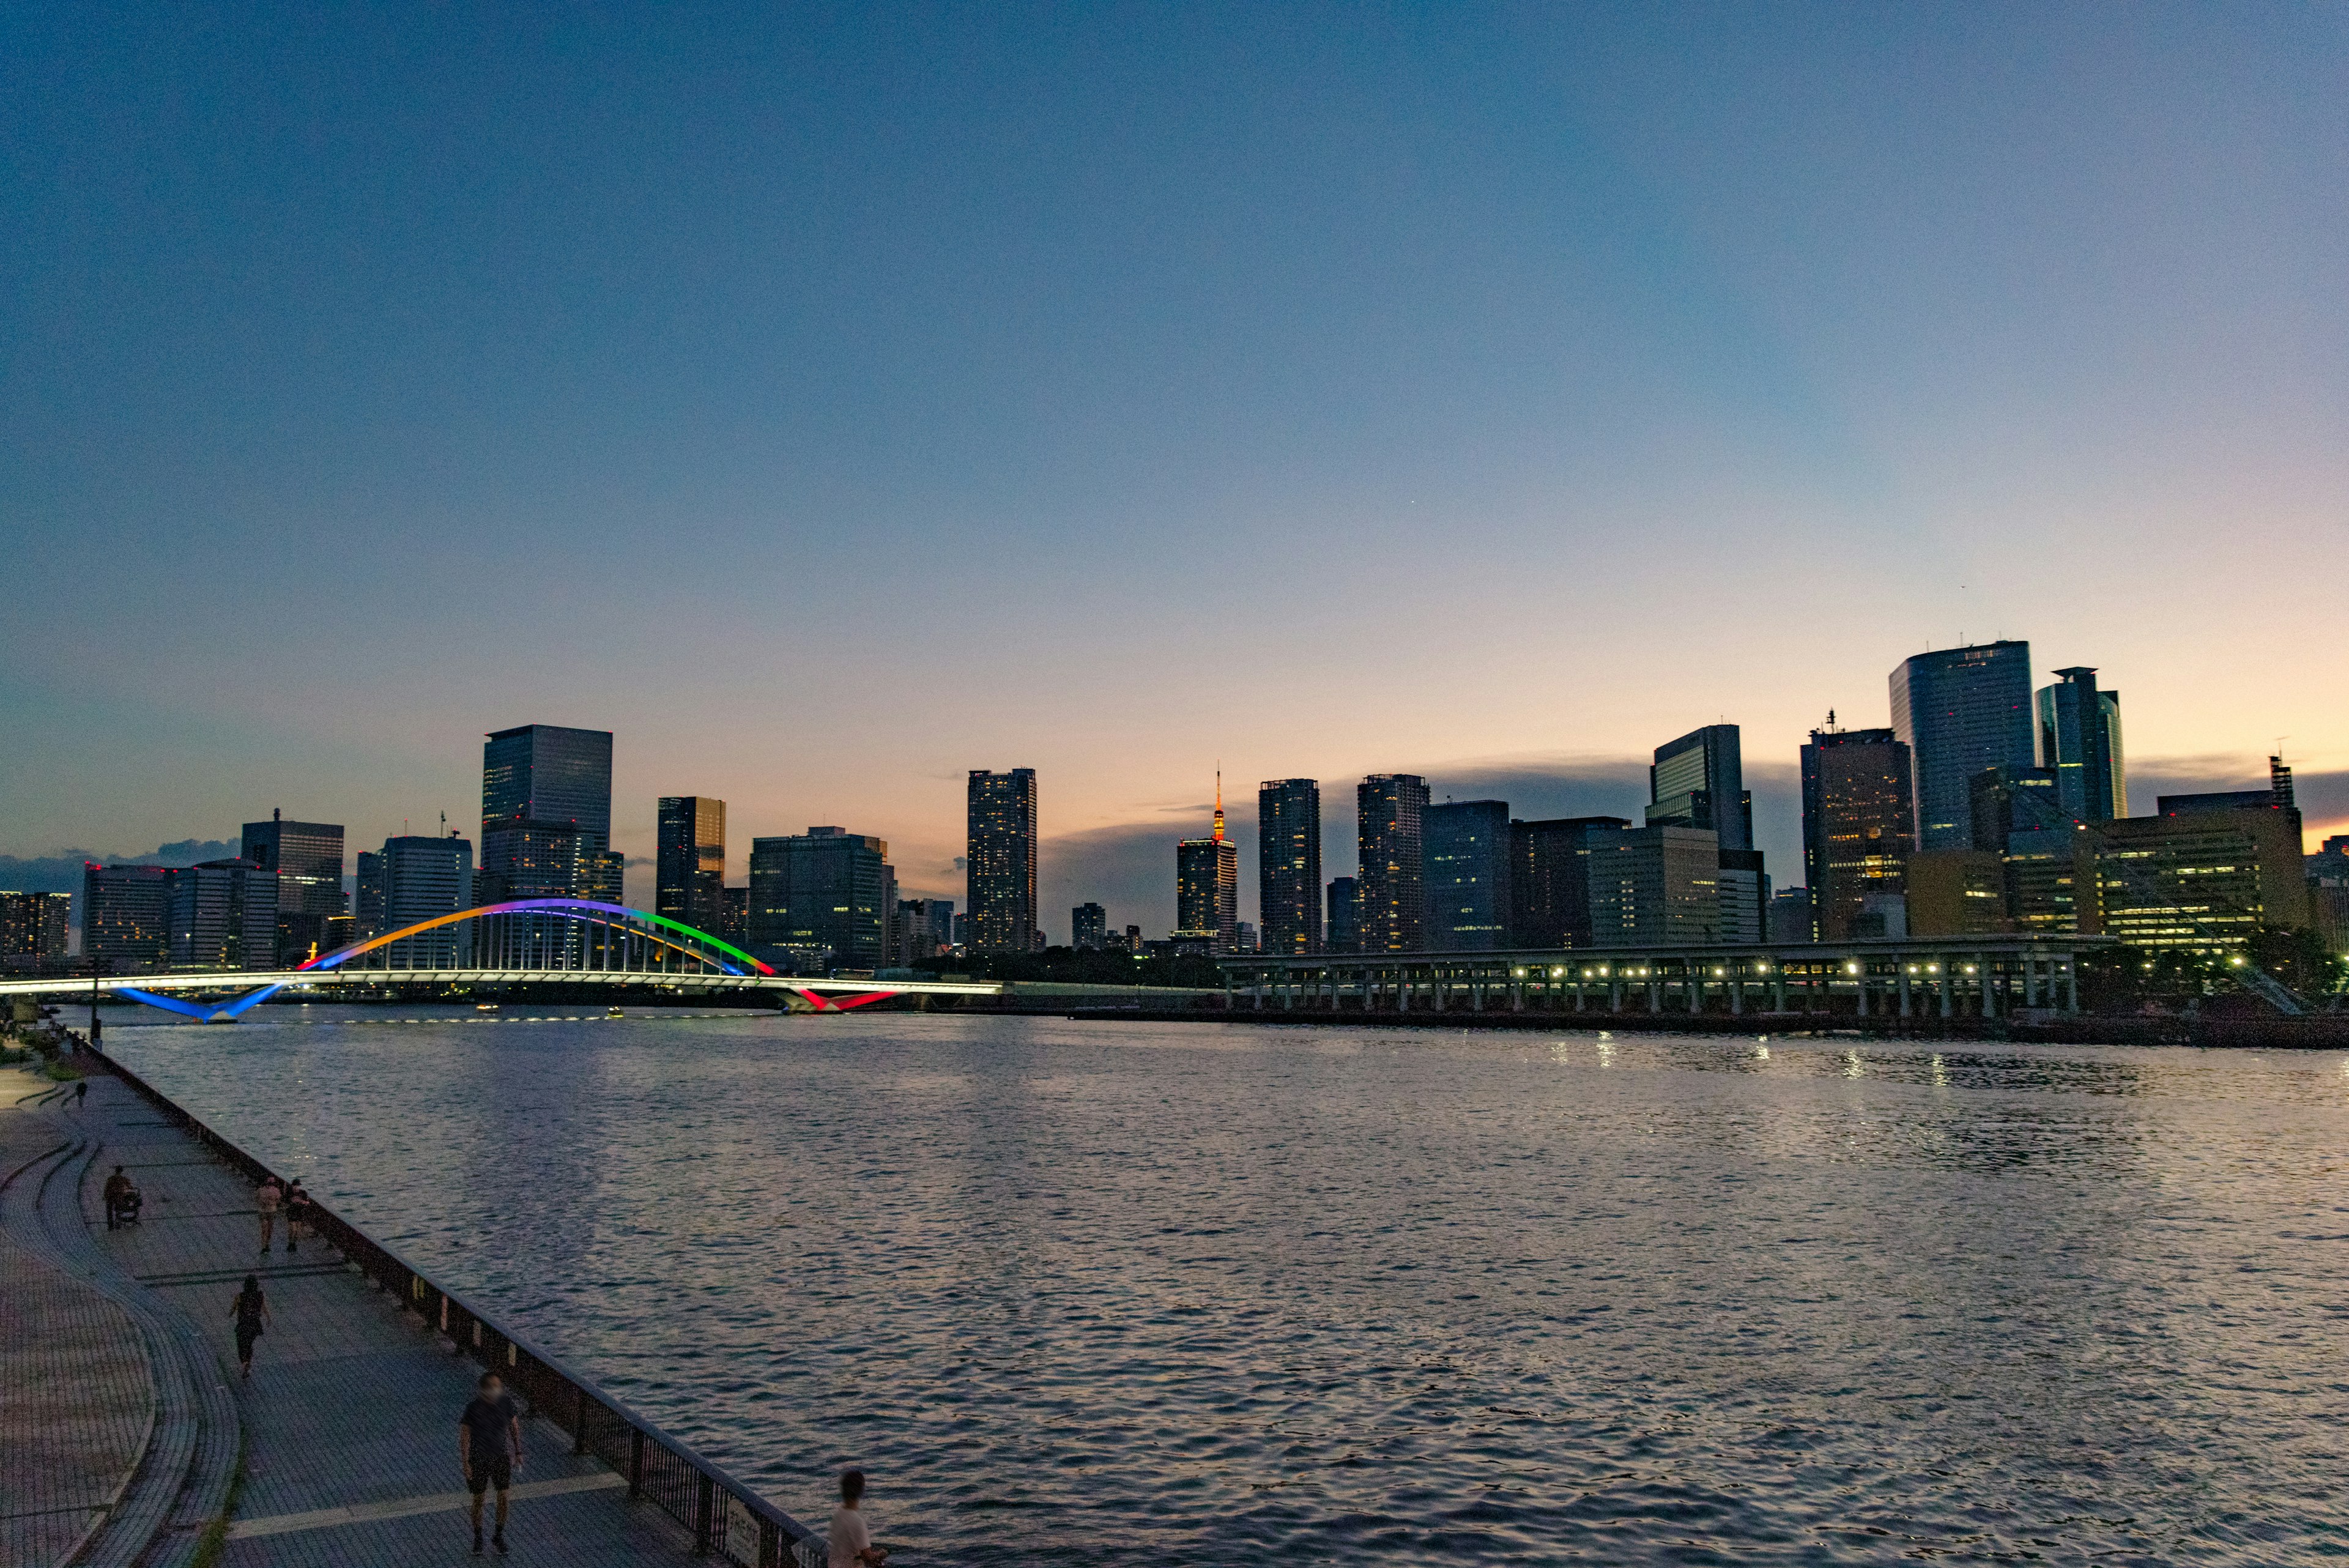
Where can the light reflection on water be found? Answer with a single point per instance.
(1189, 1293)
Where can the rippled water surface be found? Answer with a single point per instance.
(1196, 1293)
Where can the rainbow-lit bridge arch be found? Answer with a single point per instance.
(674, 934)
(655, 931)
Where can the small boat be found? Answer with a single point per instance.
(613, 1013)
(485, 1007)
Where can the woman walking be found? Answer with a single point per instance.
(251, 1309)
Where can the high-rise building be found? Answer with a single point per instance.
(1341, 934)
(546, 833)
(1955, 893)
(1699, 781)
(1207, 887)
(1464, 851)
(735, 926)
(2004, 801)
(1858, 819)
(2050, 879)
(125, 919)
(1653, 887)
(35, 929)
(1248, 941)
(1549, 880)
(1088, 928)
(1790, 915)
(1288, 864)
(413, 878)
(1959, 710)
(925, 928)
(816, 900)
(2080, 742)
(689, 862)
(308, 858)
(223, 916)
(367, 896)
(1391, 889)
(1002, 861)
(2201, 879)
(2328, 893)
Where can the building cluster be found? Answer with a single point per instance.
(1984, 806)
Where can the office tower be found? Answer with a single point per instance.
(1002, 861)
(1288, 864)
(1549, 880)
(2050, 879)
(816, 900)
(962, 931)
(1390, 887)
(223, 916)
(125, 919)
(2004, 801)
(2201, 879)
(34, 931)
(734, 907)
(1790, 915)
(1343, 935)
(307, 858)
(1653, 886)
(689, 862)
(1858, 819)
(1959, 712)
(1955, 893)
(546, 833)
(413, 878)
(1464, 851)
(1088, 928)
(2079, 731)
(2328, 893)
(1699, 781)
(367, 896)
(925, 929)
(1247, 941)
(1207, 887)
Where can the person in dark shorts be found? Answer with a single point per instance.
(82, 1092)
(489, 1448)
(297, 1215)
(265, 1199)
(251, 1309)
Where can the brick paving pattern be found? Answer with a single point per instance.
(348, 1420)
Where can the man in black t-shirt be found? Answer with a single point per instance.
(489, 1446)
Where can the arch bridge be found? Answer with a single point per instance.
(573, 941)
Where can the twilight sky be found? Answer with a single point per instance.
(832, 401)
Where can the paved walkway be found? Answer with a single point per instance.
(350, 1419)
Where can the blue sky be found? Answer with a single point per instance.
(829, 401)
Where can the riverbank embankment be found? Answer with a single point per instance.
(341, 1446)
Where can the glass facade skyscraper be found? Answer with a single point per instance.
(1207, 893)
(2080, 744)
(1001, 862)
(689, 862)
(1341, 935)
(1699, 781)
(126, 918)
(546, 833)
(1959, 710)
(308, 858)
(1464, 851)
(413, 878)
(1288, 864)
(1549, 880)
(223, 916)
(1390, 885)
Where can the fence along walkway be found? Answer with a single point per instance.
(350, 1416)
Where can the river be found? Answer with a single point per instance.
(1204, 1293)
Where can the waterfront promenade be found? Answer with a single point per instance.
(126, 1418)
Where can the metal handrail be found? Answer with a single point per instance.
(725, 1519)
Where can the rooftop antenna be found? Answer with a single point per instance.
(1219, 803)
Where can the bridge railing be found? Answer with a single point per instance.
(725, 1519)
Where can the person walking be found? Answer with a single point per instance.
(489, 1450)
(265, 1200)
(297, 1215)
(81, 1093)
(851, 1544)
(121, 1200)
(251, 1309)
